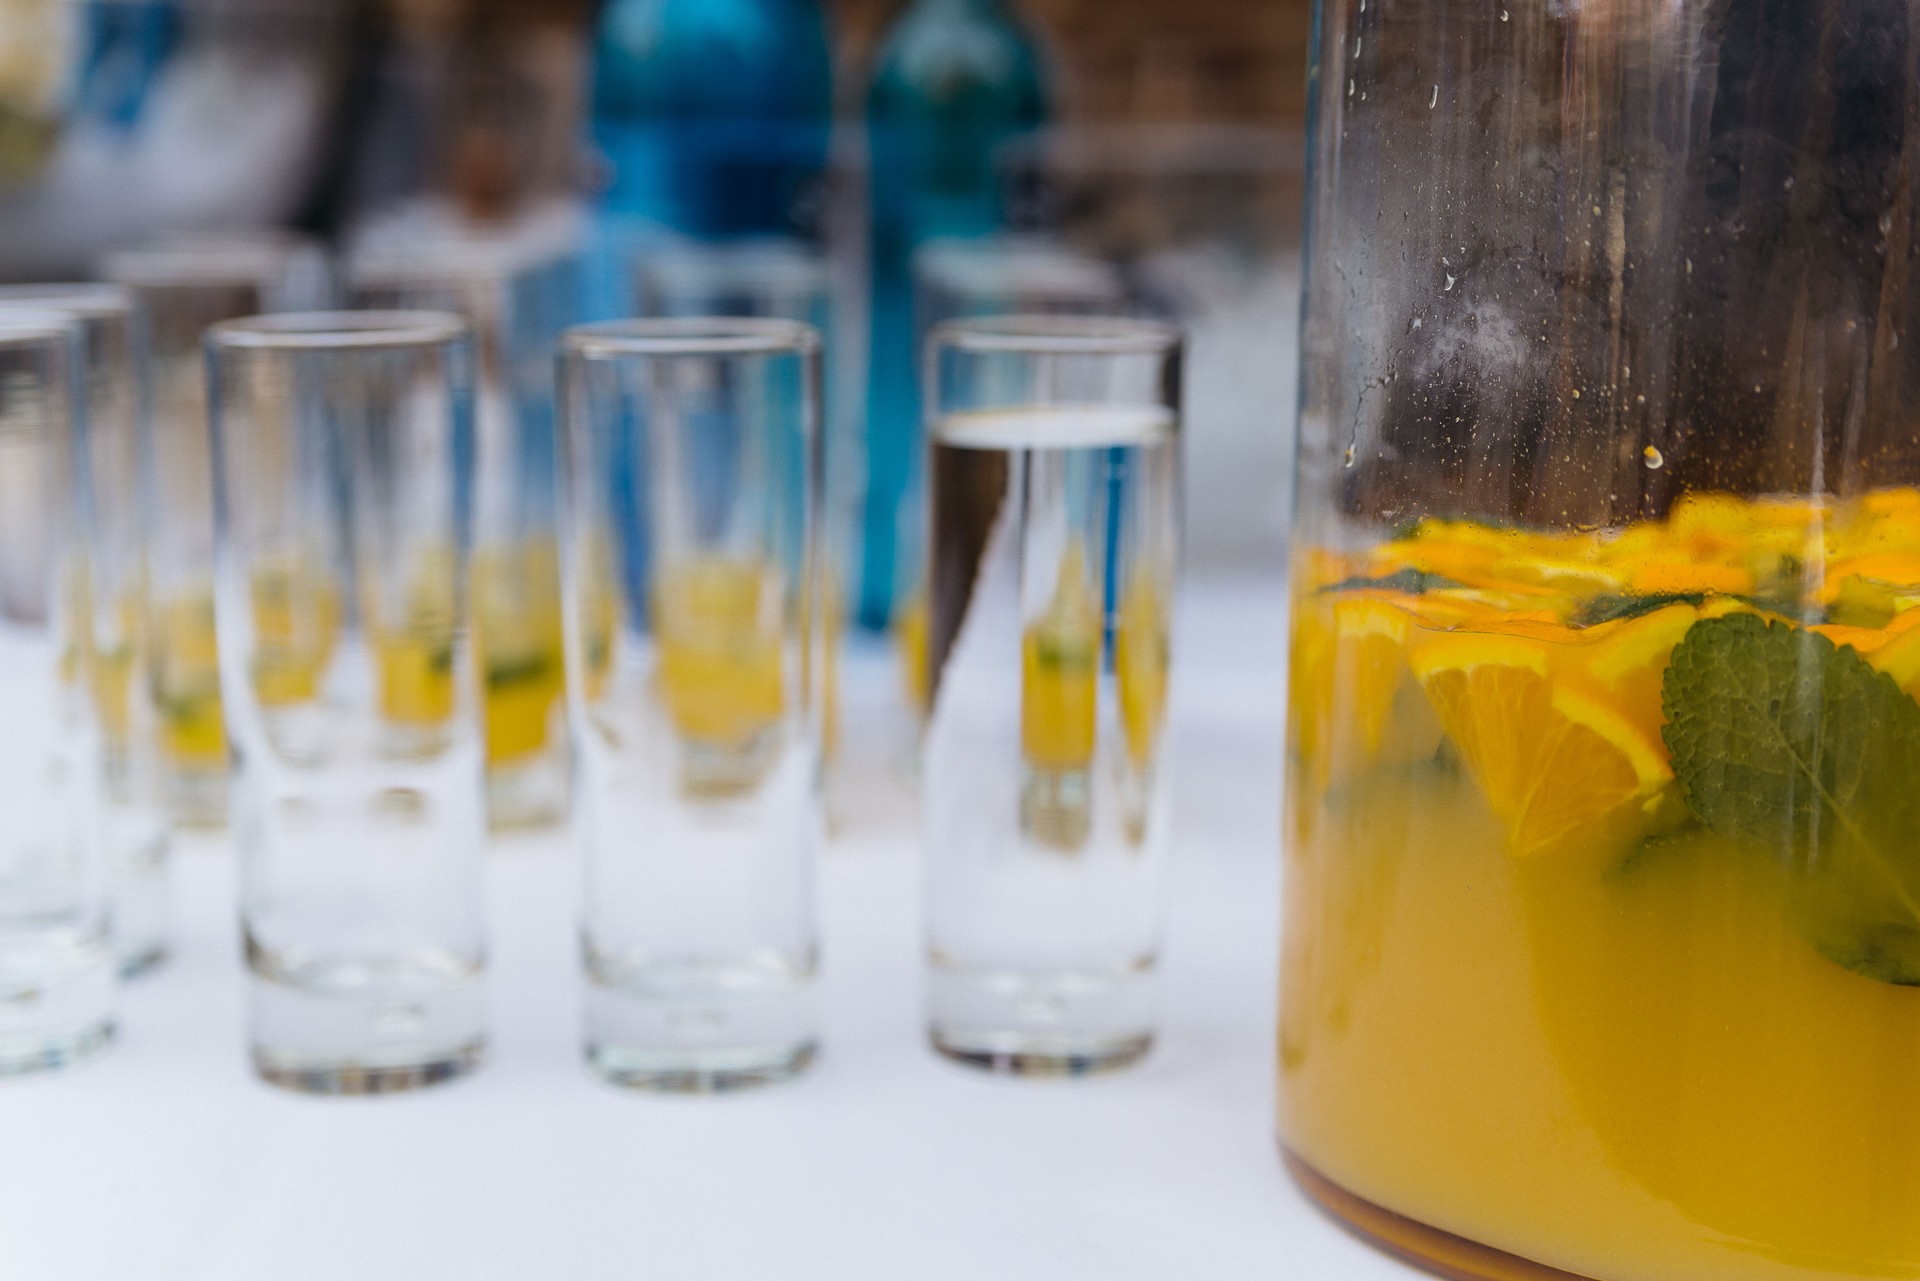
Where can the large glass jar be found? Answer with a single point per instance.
(1602, 945)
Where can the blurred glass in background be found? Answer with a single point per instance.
(184, 284)
(114, 629)
(517, 284)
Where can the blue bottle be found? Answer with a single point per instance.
(955, 81)
(712, 116)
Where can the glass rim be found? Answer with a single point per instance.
(85, 299)
(25, 326)
(190, 263)
(691, 336)
(337, 330)
(1056, 335)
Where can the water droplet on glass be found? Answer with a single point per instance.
(1886, 223)
(1450, 283)
(1356, 46)
(1576, 393)
(1689, 266)
(1503, 15)
(1435, 100)
(1349, 459)
(1349, 86)
(1655, 461)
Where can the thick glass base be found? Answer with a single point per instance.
(366, 1027)
(529, 795)
(367, 1075)
(714, 1072)
(52, 1051)
(1040, 1023)
(700, 1026)
(1440, 1253)
(1025, 1054)
(56, 1002)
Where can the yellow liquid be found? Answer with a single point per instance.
(719, 628)
(516, 619)
(910, 642)
(186, 677)
(1059, 674)
(296, 622)
(1596, 1041)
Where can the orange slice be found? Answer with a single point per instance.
(1556, 762)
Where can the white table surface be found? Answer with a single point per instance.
(167, 1161)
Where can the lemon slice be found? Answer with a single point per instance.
(1556, 762)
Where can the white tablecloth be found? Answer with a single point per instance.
(167, 1161)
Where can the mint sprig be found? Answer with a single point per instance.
(1800, 750)
(1408, 582)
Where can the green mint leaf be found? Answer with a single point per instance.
(1410, 582)
(1801, 750)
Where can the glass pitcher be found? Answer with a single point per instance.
(1602, 938)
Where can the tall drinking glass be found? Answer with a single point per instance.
(114, 542)
(56, 955)
(517, 298)
(182, 287)
(1602, 938)
(345, 453)
(693, 632)
(1053, 488)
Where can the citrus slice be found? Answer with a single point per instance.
(1349, 678)
(1555, 761)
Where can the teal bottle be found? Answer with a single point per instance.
(712, 116)
(955, 81)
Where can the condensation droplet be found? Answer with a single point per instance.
(1435, 100)
(1450, 283)
(1349, 86)
(1596, 211)
(1503, 15)
(1356, 46)
(1639, 400)
(1886, 223)
(1416, 322)
(1655, 461)
(1349, 458)
(1689, 266)
(1576, 393)
(1756, 389)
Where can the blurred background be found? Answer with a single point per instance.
(873, 165)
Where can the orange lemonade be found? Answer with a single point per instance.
(1603, 887)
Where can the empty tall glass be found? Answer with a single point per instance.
(56, 957)
(345, 453)
(1053, 485)
(517, 296)
(693, 635)
(115, 410)
(182, 287)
